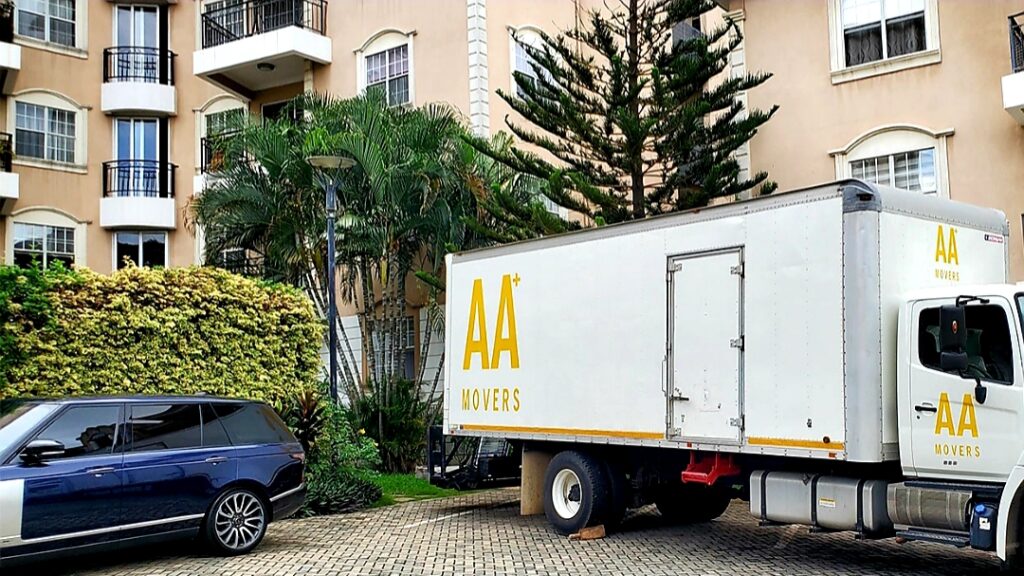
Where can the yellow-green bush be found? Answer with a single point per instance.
(173, 331)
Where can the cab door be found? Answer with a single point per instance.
(958, 432)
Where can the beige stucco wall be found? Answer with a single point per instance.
(986, 152)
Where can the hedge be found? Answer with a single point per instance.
(163, 331)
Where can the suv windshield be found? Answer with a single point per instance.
(17, 418)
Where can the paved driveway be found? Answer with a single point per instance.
(482, 534)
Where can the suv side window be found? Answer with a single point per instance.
(989, 347)
(214, 433)
(165, 427)
(85, 430)
(253, 423)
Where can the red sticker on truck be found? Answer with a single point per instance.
(994, 238)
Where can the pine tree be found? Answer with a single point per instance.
(631, 119)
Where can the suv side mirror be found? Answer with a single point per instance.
(952, 338)
(39, 450)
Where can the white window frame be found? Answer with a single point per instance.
(52, 99)
(410, 345)
(113, 247)
(81, 47)
(384, 40)
(44, 253)
(895, 139)
(837, 47)
(47, 216)
(216, 105)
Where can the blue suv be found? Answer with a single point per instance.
(88, 473)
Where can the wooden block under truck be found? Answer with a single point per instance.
(847, 357)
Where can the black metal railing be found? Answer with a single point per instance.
(215, 151)
(6, 151)
(239, 20)
(243, 264)
(138, 178)
(138, 64)
(1017, 42)
(7, 21)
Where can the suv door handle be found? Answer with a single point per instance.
(100, 471)
(926, 408)
(215, 459)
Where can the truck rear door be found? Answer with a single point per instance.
(953, 433)
(705, 347)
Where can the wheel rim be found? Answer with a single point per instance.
(566, 493)
(239, 520)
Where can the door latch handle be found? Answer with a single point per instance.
(926, 408)
(215, 459)
(100, 471)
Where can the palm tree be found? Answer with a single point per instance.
(407, 201)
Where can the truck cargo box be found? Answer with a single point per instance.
(763, 327)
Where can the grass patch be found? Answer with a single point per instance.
(404, 487)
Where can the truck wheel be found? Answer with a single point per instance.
(575, 492)
(692, 503)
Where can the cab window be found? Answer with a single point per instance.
(989, 347)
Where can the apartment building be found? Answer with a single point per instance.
(107, 107)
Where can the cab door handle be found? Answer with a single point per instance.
(215, 459)
(100, 471)
(926, 408)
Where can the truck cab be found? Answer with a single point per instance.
(961, 393)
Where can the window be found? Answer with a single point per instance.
(288, 110)
(85, 430)
(407, 348)
(148, 249)
(525, 66)
(165, 427)
(913, 171)
(251, 423)
(989, 348)
(43, 244)
(214, 433)
(48, 20)
(389, 71)
(880, 29)
(44, 132)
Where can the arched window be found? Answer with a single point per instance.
(519, 58)
(385, 61)
(217, 117)
(44, 235)
(49, 130)
(902, 156)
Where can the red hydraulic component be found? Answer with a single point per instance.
(708, 468)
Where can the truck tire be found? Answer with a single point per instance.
(576, 493)
(692, 503)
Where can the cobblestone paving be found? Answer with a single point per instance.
(483, 534)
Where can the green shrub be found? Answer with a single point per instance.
(398, 426)
(340, 468)
(179, 330)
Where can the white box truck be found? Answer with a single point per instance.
(848, 357)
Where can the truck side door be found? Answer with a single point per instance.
(953, 433)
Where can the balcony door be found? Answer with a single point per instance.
(137, 169)
(138, 42)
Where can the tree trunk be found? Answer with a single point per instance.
(635, 149)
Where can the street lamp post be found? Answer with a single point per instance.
(329, 168)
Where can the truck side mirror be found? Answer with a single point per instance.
(952, 338)
(38, 450)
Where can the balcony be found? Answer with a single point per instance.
(9, 183)
(1013, 84)
(252, 45)
(10, 53)
(138, 194)
(138, 79)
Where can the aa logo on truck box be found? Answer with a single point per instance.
(966, 424)
(505, 339)
(947, 257)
